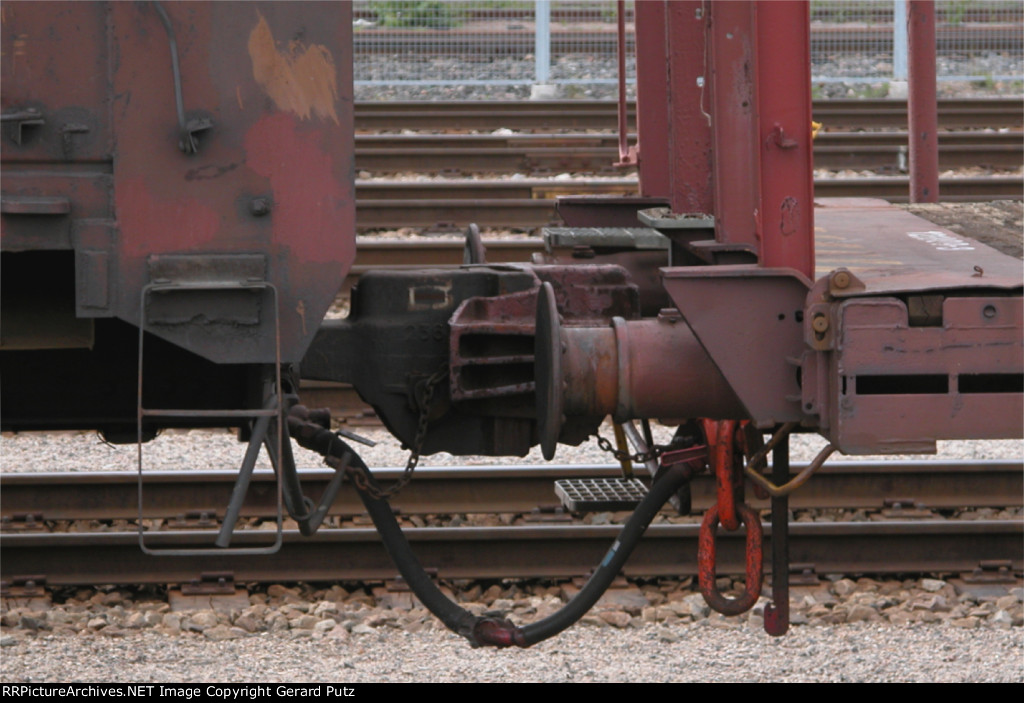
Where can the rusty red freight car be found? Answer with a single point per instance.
(178, 214)
(186, 167)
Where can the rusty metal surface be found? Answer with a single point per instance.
(331, 555)
(652, 107)
(786, 211)
(707, 563)
(265, 169)
(758, 344)
(492, 346)
(905, 386)
(732, 85)
(688, 139)
(892, 251)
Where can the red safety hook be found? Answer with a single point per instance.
(726, 449)
(706, 554)
(724, 438)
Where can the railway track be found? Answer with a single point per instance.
(523, 489)
(903, 539)
(594, 153)
(549, 551)
(574, 115)
(528, 204)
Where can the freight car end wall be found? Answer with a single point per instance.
(184, 167)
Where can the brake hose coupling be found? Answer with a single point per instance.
(495, 632)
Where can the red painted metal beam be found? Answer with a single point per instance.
(689, 144)
(733, 90)
(922, 107)
(652, 98)
(784, 109)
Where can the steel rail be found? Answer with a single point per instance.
(602, 114)
(506, 552)
(586, 153)
(900, 485)
(595, 140)
(546, 189)
(530, 203)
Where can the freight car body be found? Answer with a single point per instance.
(182, 167)
(177, 219)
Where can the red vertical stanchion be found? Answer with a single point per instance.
(784, 115)
(922, 107)
(652, 91)
(733, 88)
(690, 122)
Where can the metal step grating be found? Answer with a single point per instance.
(590, 494)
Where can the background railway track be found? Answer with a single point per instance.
(501, 179)
(530, 154)
(571, 115)
(526, 205)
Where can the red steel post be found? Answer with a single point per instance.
(625, 157)
(921, 104)
(690, 122)
(784, 111)
(652, 92)
(732, 84)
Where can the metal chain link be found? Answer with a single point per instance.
(424, 396)
(638, 457)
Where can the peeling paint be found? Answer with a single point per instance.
(300, 80)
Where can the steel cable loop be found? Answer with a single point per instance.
(706, 557)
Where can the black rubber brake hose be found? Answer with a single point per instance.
(487, 630)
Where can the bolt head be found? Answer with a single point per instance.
(259, 207)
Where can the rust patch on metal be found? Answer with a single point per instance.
(300, 80)
(308, 195)
(790, 221)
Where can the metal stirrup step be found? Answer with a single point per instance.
(271, 409)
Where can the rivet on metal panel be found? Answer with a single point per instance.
(670, 315)
(259, 207)
(842, 280)
(820, 323)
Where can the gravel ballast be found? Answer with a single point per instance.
(859, 652)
